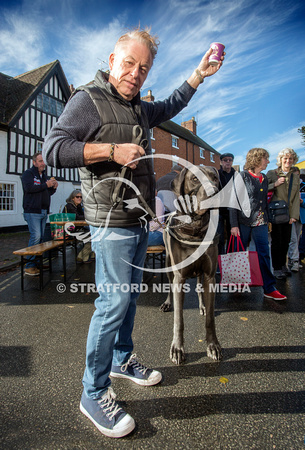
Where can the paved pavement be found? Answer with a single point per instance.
(253, 399)
(8, 243)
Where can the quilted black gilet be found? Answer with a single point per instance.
(106, 195)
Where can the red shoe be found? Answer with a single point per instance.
(275, 295)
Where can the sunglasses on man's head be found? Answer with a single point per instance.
(227, 160)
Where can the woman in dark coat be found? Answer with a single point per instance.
(74, 206)
(255, 225)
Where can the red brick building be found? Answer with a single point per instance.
(180, 141)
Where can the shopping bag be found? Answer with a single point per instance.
(241, 267)
(57, 231)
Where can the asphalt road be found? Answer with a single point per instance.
(253, 399)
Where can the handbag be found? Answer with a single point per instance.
(279, 210)
(241, 267)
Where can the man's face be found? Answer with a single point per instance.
(226, 163)
(129, 68)
(39, 163)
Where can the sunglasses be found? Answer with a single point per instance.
(78, 196)
(227, 160)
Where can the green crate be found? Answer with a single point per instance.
(57, 231)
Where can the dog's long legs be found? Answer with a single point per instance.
(167, 305)
(177, 349)
(200, 296)
(213, 346)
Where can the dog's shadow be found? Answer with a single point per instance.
(230, 364)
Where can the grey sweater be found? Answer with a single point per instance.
(100, 117)
(80, 123)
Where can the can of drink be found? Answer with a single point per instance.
(218, 49)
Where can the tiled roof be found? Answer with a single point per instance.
(15, 91)
(179, 131)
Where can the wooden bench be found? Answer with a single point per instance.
(38, 250)
(158, 254)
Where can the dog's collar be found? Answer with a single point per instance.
(197, 229)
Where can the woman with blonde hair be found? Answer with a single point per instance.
(285, 186)
(256, 224)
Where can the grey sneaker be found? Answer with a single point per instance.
(108, 417)
(295, 266)
(286, 271)
(136, 372)
(279, 275)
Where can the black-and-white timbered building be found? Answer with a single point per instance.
(29, 106)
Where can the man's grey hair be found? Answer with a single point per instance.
(142, 36)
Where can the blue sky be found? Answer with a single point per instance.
(257, 99)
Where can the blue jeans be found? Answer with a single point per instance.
(260, 237)
(36, 224)
(109, 337)
(155, 238)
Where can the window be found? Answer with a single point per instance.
(49, 105)
(201, 150)
(175, 141)
(212, 157)
(152, 134)
(7, 197)
(39, 146)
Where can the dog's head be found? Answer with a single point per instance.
(194, 185)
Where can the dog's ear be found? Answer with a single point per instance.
(216, 172)
(177, 183)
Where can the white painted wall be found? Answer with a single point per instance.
(15, 218)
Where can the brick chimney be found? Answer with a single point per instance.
(149, 97)
(190, 125)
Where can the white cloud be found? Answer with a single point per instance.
(21, 44)
(288, 138)
(87, 50)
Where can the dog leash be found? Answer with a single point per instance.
(150, 212)
(119, 191)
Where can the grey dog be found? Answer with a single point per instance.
(183, 236)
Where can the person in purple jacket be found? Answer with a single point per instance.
(104, 131)
(37, 191)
